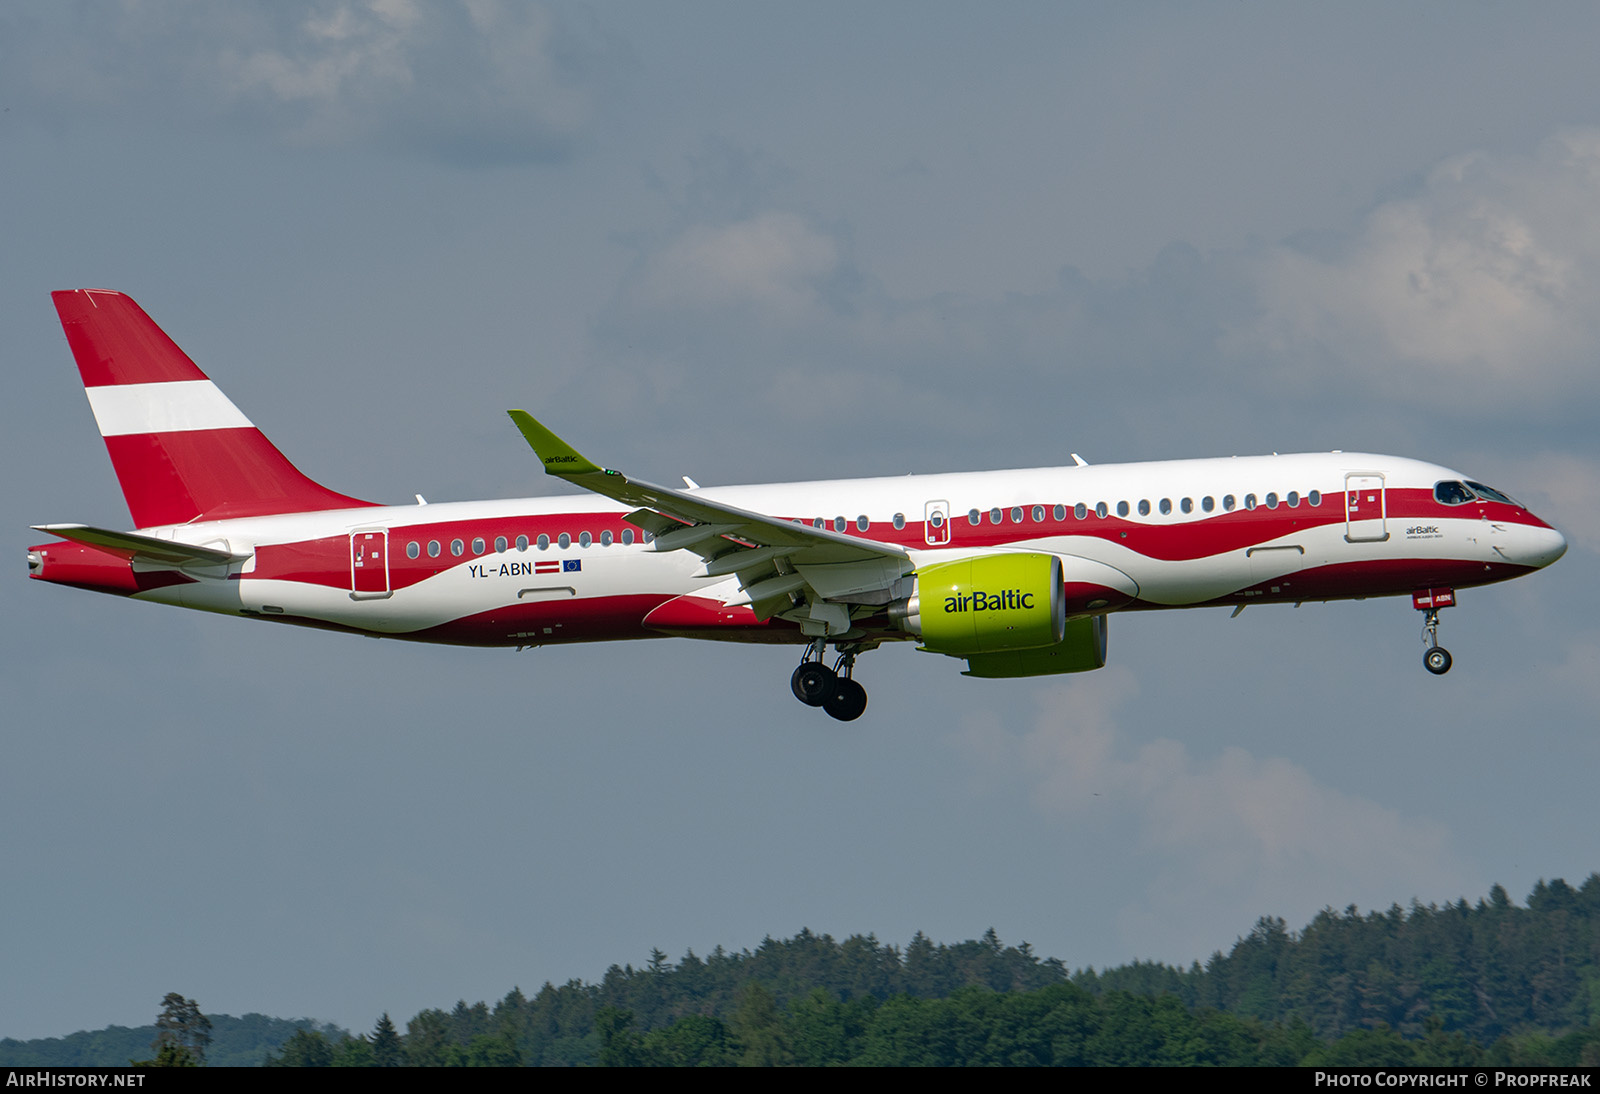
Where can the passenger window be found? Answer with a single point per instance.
(564, 540)
(1272, 500)
(1038, 514)
(862, 523)
(1208, 503)
(500, 544)
(433, 548)
(584, 539)
(1249, 501)
(478, 546)
(1315, 498)
(544, 542)
(605, 538)
(1060, 512)
(1101, 510)
(900, 519)
(818, 523)
(974, 518)
(1080, 511)
(839, 524)
(627, 537)
(522, 543)
(995, 516)
(1187, 505)
(1227, 503)
(1122, 508)
(1293, 499)
(1166, 506)
(457, 547)
(1016, 515)
(412, 550)
(1144, 507)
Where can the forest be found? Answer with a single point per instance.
(1484, 983)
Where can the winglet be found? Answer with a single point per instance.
(559, 457)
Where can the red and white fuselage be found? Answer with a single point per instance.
(268, 543)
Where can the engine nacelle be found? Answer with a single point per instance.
(1083, 649)
(986, 604)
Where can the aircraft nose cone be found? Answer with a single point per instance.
(1547, 546)
(1557, 548)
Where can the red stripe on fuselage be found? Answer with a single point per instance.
(1353, 580)
(326, 561)
(599, 619)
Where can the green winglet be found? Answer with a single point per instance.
(558, 457)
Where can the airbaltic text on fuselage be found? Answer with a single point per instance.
(980, 601)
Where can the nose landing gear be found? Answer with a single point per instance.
(1436, 659)
(816, 685)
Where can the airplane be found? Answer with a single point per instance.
(1014, 572)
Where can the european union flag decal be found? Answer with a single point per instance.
(571, 564)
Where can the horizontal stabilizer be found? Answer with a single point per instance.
(132, 545)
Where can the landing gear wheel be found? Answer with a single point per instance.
(1437, 660)
(848, 701)
(813, 682)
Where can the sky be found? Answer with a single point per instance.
(753, 243)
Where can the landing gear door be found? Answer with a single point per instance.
(936, 523)
(1366, 517)
(369, 564)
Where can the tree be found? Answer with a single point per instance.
(181, 1032)
(307, 1048)
(386, 1049)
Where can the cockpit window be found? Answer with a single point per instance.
(1451, 492)
(1489, 493)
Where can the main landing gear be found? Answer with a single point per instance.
(1436, 659)
(816, 685)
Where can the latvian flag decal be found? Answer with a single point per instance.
(547, 567)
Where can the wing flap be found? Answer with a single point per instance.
(774, 558)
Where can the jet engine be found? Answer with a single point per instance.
(1005, 613)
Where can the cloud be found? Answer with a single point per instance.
(1235, 833)
(1473, 302)
(773, 262)
(1481, 290)
(466, 81)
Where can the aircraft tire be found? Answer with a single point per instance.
(813, 682)
(1437, 660)
(848, 701)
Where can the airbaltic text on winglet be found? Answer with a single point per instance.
(561, 459)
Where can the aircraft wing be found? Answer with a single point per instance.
(131, 545)
(814, 576)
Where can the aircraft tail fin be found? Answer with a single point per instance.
(182, 451)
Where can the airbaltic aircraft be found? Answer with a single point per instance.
(1014, 572)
